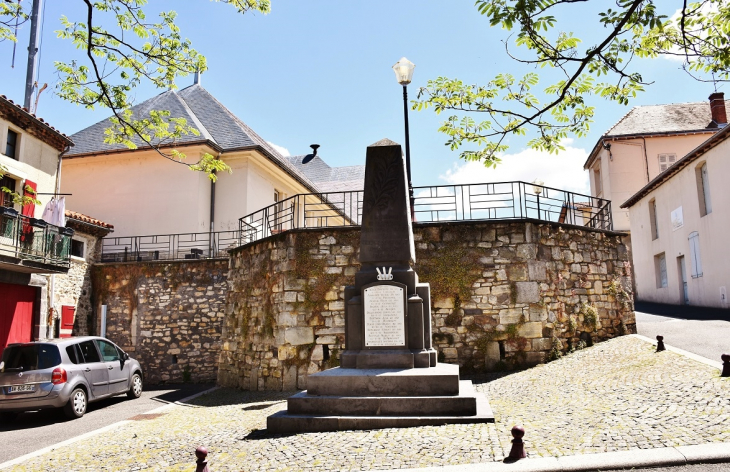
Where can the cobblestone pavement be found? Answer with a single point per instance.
(617, 395)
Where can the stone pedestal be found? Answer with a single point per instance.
(389, 374)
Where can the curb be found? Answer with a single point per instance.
(659, 457)
(96, 432)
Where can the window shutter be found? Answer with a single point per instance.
(663, 270)
(706, 189)
(666, 160)
(694, 249)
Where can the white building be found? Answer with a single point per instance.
(680, 222)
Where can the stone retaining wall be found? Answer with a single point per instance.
(167, 315)
(504, 294)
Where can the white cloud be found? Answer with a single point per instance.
(281, 149)
(562, 171)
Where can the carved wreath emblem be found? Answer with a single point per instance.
(385, 183)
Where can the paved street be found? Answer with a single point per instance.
(36, 430)
(616, 396)
(705, 332)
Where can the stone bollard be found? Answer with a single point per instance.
(725, 365)
(201, 465)
(518, 446)
(660, 344)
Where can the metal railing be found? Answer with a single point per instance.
(471, 202)
(311, 210)
(33, 242)
(169, 246)
(444, 203)
(510, 200)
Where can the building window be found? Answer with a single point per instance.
(77, 248)
(694, 251)
(598, 185)
(660, 269)
(652, 220)
(666, 160)
(11, 145)
(703, 189)
(6, 199)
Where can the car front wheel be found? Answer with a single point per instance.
(135, 388)
(76, 406)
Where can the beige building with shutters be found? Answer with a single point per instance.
(647, 141)
(679, 225)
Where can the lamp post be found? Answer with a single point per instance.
(537, 190)
(403, 74)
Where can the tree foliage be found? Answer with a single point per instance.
(484, 116)
(124, 48)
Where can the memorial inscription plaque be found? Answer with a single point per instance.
(384, 310)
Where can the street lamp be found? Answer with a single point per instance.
(403, 74)
(537, 190)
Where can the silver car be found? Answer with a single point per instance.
(65, 373)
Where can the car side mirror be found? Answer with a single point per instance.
(125, 356)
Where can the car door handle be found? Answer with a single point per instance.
(87, 370)
(111, 367)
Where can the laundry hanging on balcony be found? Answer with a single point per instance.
(55, 212)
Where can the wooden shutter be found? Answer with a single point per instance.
(694, 249)
(666, 160)
(29, 209)
(706, 189)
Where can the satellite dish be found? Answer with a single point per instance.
(309, 157)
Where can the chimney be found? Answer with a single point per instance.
(196, 80)
(717, 107)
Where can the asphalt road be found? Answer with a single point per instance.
(35, 430)
(707, 338)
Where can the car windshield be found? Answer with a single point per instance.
(26, 357)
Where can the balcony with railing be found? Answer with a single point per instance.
(31, 245)
(445, 203)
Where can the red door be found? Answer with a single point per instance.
(16, 313)
(67, 320)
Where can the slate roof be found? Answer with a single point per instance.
(331, 179)
(217, 126)
(671, 118)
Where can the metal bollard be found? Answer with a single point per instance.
(201, 465)
(518, 446)
(660, 344)
(725, 365)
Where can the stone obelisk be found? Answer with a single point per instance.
(388, 375)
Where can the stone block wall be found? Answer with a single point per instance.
(74, 287)
(167, 315)
(504, 294)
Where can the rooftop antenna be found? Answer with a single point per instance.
(309, 157)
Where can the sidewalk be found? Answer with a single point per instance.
(616, 403)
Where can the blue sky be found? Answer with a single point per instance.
(319, 71)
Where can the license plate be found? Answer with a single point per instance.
(21, 388)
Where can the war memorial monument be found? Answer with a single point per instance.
(389, 375)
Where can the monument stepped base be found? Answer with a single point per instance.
(382, 398)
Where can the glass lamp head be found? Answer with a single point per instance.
(537, 185)
(404, 71)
